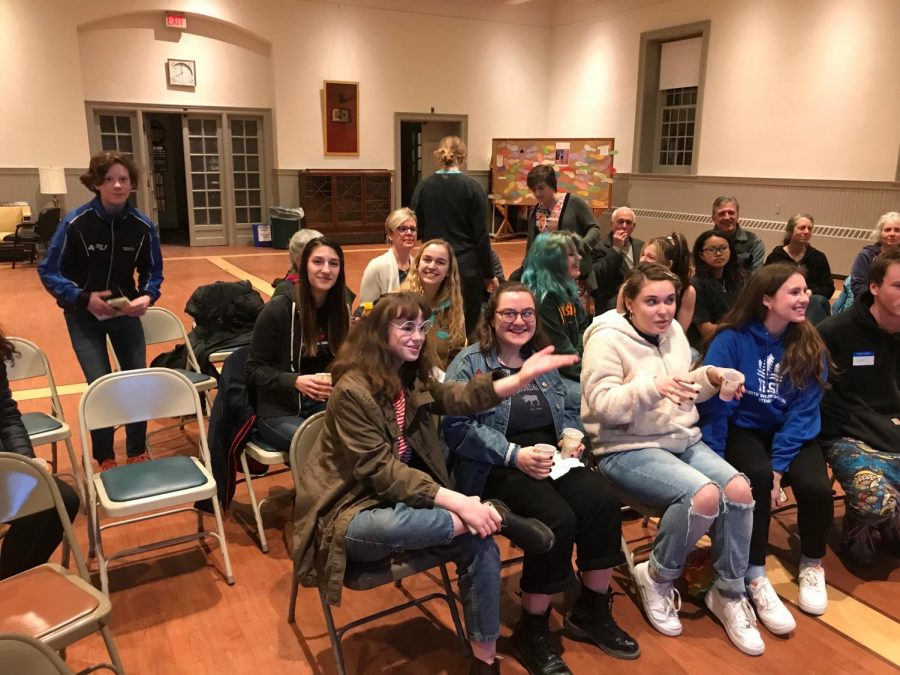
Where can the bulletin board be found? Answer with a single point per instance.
(584, 167)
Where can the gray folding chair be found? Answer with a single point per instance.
(48, 602)
(365, 576)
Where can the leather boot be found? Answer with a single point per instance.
(532, 646)
(591, 620)
(529, 534)
(858, 539)
(890, 534)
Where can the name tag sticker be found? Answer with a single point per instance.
(863, 358)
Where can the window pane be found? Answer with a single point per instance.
(209, 127)
(250, 127)
(196, 146)
(107, 124)
(255, 215)
(240, 180)
(237, 127)
(123, 124)
(108, 143)
(199, 199)
(253, 163)
(215, 215)
(253, 180)
(125, 144)
(240, 198)
(238, 146)
(239, 163)
(252, 146)
(198, 181)
(197, 164)
(195, 127)
(200, 217)
(215, 198)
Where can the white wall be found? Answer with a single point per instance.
(799, 89)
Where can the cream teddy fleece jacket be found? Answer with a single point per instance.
(620, 406)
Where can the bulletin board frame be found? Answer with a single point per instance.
(340, 118)
(584, 167)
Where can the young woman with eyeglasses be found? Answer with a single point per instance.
(638, 409)
(376, 481)
(386, 272)
(718, 279)
(494, 456)
(551, 270)
(294, 341)
(436, 276)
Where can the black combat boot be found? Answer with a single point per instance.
(591, 620)
(532, 646)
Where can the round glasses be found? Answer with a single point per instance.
(410, 327)
(510, 315)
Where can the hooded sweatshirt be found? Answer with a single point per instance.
(864, 397)
(620, 406)
(770, 403)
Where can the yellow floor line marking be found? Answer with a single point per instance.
(859, 622)
(44, 392)
(256, 282)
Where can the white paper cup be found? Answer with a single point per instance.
(685, 406)
(325, 377)
(731, 380)
(545, 449)
(571, 439)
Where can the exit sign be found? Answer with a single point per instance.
(176, 21)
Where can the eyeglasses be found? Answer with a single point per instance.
(510, 315)
(403, 229)
(410, 327)
(711, 250)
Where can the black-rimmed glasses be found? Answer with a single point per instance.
(712, 250)
(510, 315)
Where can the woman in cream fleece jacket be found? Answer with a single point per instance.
(637, 404)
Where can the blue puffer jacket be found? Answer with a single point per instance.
(478, 443)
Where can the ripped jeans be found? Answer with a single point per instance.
(664, 480)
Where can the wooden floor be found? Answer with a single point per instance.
(173, 612)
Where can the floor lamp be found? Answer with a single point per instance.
(53, 182)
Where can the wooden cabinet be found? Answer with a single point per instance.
(349, 206)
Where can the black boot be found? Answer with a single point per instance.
(479, 667)
(890, 534)
(858, 539)
(529, 534)
(591, 620)
(532, 646)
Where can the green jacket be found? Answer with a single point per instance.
(354, 466)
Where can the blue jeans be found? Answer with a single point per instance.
(278, 431)
(573, 393)
(663, 480)
(377, 533)
(88, 336)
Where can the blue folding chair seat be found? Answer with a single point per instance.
(149, 479)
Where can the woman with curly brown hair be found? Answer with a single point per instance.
(768, 431)
(376, 481)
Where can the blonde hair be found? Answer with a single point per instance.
(450, 290)
(396, 218)
(450, 152)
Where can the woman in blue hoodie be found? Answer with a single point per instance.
(768, 431)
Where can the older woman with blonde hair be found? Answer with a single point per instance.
(885, 235)
(386, 272)
(453, 207)
(435, 274)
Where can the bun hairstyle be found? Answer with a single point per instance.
(672, 251)
(792, 223)
(451, 152)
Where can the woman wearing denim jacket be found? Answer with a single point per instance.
(494, 457)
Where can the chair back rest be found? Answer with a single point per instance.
(162, 325)
(28, 361)
(25, 654)
(47, 222)
(137, 396)
(26, 489)
(303, 441)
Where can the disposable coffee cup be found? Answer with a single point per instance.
(571, 439)
(545, 449)
(324, 377)
(731, 380)
(687, 404)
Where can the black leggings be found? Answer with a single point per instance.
(473, 295)
(31, 540)
(580, 508)
(749, 452)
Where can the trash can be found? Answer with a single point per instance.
(285, 221)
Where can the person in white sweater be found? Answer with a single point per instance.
(637, 406)
(386, 272)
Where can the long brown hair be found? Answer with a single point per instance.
(451, 289)
(335, 302)
(805, 355)
(6, 349)
(484, 330)
(366, 349)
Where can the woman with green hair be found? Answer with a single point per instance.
(551, 270)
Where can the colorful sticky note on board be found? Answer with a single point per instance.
(613, 152)
(603, 149)
(589, 148)
(570, 174)
(582, 193)
(509, 188)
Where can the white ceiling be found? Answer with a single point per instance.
(517, 12)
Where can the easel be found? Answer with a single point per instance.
(505, 230)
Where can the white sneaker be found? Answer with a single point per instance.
(661, 601)
(737, 616)
(769, 608)
(813, 594)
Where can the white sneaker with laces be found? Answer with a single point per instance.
(813, 594)
(769, 607)
(737, 616)
(661, 601)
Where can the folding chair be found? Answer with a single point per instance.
(48, 602)
(257, 449)
(136, 396)
(365, 576)
(28, 362)
(23, 654)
